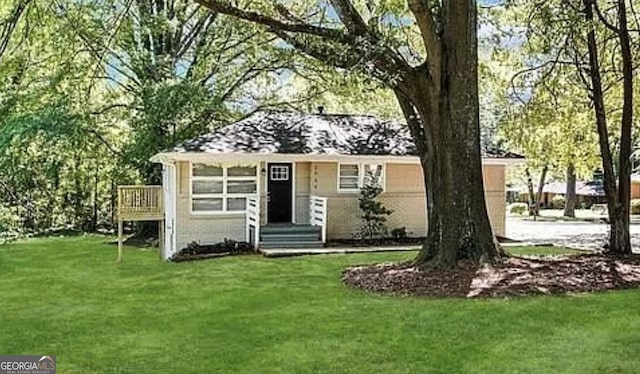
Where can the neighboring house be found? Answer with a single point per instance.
(513, 194)
(287, 179)
(635, 186)
(588, 193)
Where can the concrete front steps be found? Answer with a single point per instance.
(283, 236)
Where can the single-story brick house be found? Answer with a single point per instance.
(288, 179)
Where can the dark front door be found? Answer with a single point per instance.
(280, 188)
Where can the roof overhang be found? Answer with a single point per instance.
(171, 157)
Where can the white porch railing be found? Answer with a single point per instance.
(253, 221)
(318, 214)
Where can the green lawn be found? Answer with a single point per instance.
(289, 315)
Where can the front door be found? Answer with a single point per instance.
(280, 188)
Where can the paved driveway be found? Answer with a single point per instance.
(575, 234)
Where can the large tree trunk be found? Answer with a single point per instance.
(458, 222)
(570, 198)
(617, 193)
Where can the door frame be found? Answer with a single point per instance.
(293, 189)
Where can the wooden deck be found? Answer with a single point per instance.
(140, 203)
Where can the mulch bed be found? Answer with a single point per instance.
(195, 251)
(205, 256)
(385, 242)
(516, 276)
(392, 242)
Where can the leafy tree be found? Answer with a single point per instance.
(618, 193)
(54, 172)
(130, 78)
(427, 54)
(547, 116)
(175, 69)
(595, 44)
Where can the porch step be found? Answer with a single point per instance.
(292, 244)
(291, 237)
(289, 229)
(283, 236)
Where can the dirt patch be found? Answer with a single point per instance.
(516, 276)
(137, 241)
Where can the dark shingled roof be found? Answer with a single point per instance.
(583, 188)
(271, 131)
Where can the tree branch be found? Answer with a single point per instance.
(325, 44)
(426, 22)
(350, 17)
(604, 20)
(9, 26)
(297, 27)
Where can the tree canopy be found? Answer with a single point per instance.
(92, 89)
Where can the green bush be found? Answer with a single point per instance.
(517, 208)
(585, 204)
(9, 225)
(635, 206)
(557, 202)
(373, 212)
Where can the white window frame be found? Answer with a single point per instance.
(361, 175)
(225, 194)
(282, 170)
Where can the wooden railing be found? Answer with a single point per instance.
(253, 221)
(140, 203)
(318, 214)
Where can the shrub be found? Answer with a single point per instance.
(585, 204)
(373, 212)
(635, 206)
(9, 225)
(557, 202)
(399, 233)
(517, 208)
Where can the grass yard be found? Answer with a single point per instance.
(289, 315)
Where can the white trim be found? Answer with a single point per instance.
(259, 191)
(170, 192)
(283, 173)
(176, 186)
(225, 195)
(266, 191)
(296, 157)
(361, 175)
(348, 190)
(293, 192)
